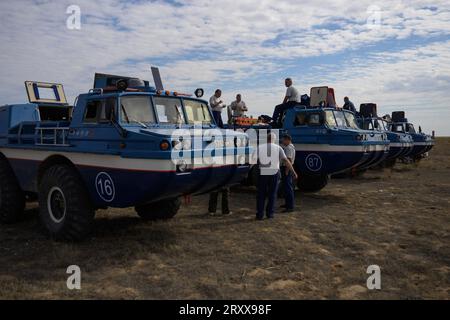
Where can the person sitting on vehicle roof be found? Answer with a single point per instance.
(291, 99)
(217, 105)
(348, 105)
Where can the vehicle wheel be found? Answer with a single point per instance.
(308, 183)
(12, 198)
(65, 208)
(161, 210)
(252, 177)
(389, 163)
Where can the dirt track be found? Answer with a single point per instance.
(398, 219)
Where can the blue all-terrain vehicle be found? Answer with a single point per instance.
(114, 148)
(328, 140)
(423, 143)
(400, 143)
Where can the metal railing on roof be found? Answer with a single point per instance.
(57, 136)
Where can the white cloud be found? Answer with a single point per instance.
(222, 43)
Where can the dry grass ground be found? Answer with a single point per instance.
(398, 219)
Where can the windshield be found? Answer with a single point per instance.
(340, 119)
(397, 127)
(169, 110)
(351, 120)
(410, 127)
(136, 110)
(197, 112)
(329, 119)
(378, 125)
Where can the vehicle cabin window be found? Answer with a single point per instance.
(197, 112)
(398, 128)
(300, 119)
(340, 119)
(379, 125)
(99, 111)
(351, 120)
(329, 119)
(92, 108)
(169, 110)
(410, 128)
(136, 109)
(314, 119)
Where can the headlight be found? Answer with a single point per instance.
(164, 145)
(177, 145)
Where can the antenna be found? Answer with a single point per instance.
(157, 79)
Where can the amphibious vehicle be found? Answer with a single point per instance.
(328, 140)
(400, 143)
(122, 144)
(423, 143)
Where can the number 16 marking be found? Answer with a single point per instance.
(105, 187)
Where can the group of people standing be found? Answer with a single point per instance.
(276, 163)
(236, 109)
(270, 172)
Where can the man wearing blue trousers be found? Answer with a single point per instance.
(269, 157)
(287, 178)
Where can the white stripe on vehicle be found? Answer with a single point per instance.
(337, 148)
(111, 161)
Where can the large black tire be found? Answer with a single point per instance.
(65, 208)
(252, 177)
(307, 183)
(161, 210)
(389, 163)
(12, 198)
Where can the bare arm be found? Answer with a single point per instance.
(290, 167)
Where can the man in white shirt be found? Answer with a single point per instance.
(217, 105)
(239, 107)
(286, 175)
(269, 157)
(291, 99)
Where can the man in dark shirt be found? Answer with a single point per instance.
(348, 105)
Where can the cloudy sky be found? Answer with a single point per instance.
(394, 53)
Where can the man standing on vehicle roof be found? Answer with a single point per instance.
(217, 105)
(239, 107)
(269, 157)
(287, 177)
(291, 99)
(348, 105)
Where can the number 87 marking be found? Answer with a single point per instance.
(313, 162)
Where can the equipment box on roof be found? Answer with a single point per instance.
(368, 110)
(398, 116)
